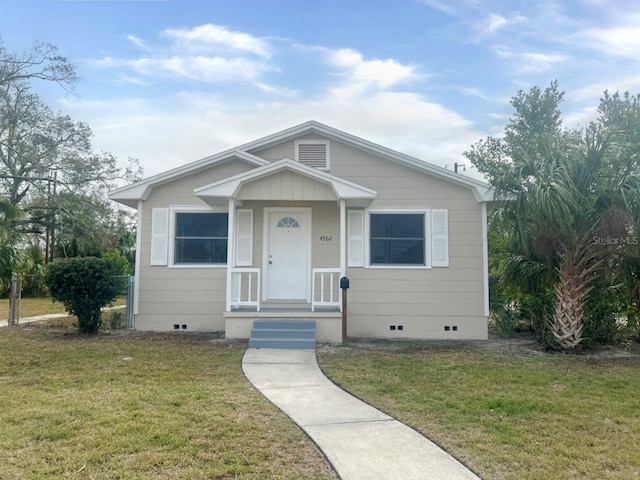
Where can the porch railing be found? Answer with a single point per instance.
(325, 288)
(245, 288)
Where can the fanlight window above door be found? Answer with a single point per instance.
(288, 222)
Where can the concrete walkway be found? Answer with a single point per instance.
(359, 441)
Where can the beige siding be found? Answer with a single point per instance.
(423, 301)
(194, 297)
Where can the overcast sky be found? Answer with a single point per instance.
(171, 81)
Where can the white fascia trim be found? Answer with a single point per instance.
(482, 191)
(141, 190)
(229, 187)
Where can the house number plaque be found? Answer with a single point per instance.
(326, 238)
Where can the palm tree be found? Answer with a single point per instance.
(566, 201)
(563, 192)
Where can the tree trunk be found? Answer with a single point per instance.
(572, 291)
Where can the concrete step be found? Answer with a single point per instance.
(283, 333)
(278, 324)
(285, 343)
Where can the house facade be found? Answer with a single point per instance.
(269, 228)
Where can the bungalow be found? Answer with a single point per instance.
(269, 228)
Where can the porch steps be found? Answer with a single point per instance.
(283, 333)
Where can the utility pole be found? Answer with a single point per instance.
(51, 217)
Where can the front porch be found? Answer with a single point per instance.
(244, 305)
(286, 244)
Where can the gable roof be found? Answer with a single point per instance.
(218, 193)
(130, 194)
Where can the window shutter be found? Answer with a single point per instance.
(159, 236)
(356, 238)
(439, 238)
(244, 238)
(313, 153)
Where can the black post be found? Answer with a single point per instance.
(344, 286)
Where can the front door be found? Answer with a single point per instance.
(287, 253)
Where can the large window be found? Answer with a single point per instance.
(397, 239)
(201, 238)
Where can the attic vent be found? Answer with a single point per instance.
(313, 153)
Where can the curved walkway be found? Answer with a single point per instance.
(360, 441)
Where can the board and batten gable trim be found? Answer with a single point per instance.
(159, 236)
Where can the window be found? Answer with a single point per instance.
(288, 222)
(200, 238)
(397, 239)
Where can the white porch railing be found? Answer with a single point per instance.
(325, 288)
(245, 288)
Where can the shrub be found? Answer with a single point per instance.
(506, 318)
(84, 286)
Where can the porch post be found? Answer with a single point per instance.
(343, 239)
(230, 249)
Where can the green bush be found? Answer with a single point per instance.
(506, 318)
(84, 285)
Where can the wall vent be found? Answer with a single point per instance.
(313, 153)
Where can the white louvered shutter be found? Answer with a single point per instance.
(439, 238)
(159, 236)
(244, 238)
(356, 238)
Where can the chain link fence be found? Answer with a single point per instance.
(29, 301)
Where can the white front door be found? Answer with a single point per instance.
(287, 253)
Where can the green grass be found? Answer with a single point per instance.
(507, 415)
(131, 406)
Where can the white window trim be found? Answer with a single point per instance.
(427, 237)
(327, 166)
(173, 209)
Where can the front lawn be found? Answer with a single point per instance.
(131, 406)
(506, 413)
(124, 405)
